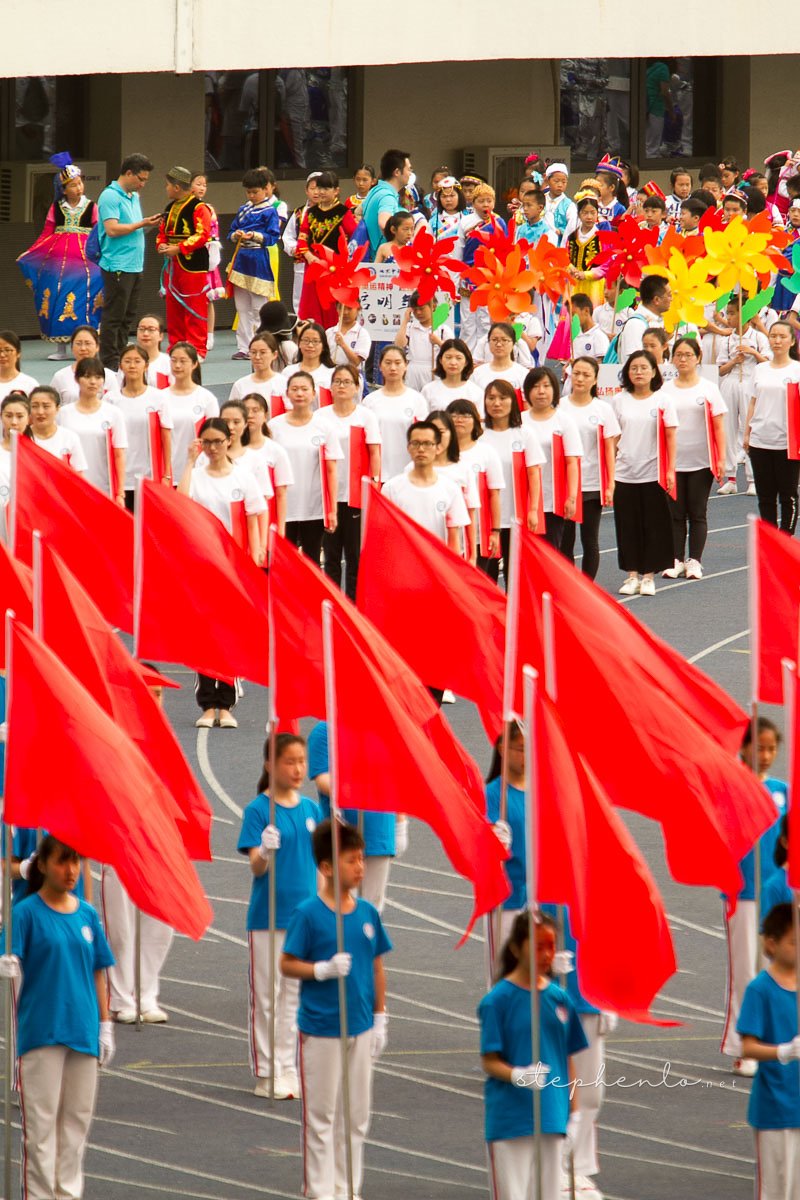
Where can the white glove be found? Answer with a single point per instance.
(401, 837)
(107, 1045)
(270, 840)
(608, 1023)
(502, 831)
(789, 1051)
(25, 866)
(10, 967)
(337, 967)
(533, 1076)
(380, 1034)
(573, 1125)
(563, 962)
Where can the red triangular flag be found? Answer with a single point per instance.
(75, 630)
(113, 475)
(408, 580)
(325, 397)
(277, 405)
(663, 461)
(484, 516)
(602, 462)
(519, 469)
(115, 808)
(328, 501)
(715, 457)
(16, 592)
(793, 420)
(560, 489)
(774, 567)
(387, 763)
(272, 500)
(359, 464)
(219, 628)
(155, 446)
(93, 535)
(162, 381)
(520, 399)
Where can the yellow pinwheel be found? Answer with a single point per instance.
(691, 289)
(737, 257)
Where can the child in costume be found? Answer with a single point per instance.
(255, 228)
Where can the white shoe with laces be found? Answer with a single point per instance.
(630, 587)
(751, 490)
(674, 572)
(693, 569)
(647, 587)
(728, 488)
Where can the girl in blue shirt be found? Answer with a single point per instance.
(287, 845)
(63, 1032)
(768, 1028)
(511, 1076)
(511, 833)
(776, 889)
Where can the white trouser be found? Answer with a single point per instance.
(742, 943)
(418, 374)
(324, 1161)
(588, 1066)
(474, 325)
(57, 1094)
(778, 1164)
(287, 1000)
(297, 284)
(496, 939)
(737, 397)
(248, 306)
(376, 879)
(512, 1173)
(119, 918)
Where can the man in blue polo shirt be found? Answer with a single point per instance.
(383, 199)
(122, 229)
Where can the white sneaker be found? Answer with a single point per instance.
(586, 1188)
(126, 1016)
(745, 1066)
(630, 587)
(693, 569)
(728, 488)
(647, 587)
(674, 572)
(155, 1016)
(60, 355)
(751, 490)
(262, 1087)
(448, 697)
(287, 1087)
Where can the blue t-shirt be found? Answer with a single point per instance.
(125, 253)
(505, 1017)
(517, 865)
(23, 845)
(59, 952)
(295, 866)
(769, 1013)
(582, 1005)
(778, 790)
(776, 890)
(379, 827)
(382, 198)
(311, 936)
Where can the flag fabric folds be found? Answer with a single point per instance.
(774, 568)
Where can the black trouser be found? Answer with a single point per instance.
(307, 536)
(345, 542)
(776, 477)
(213, 693)
(590, 535)
(553, 530)
(691, 507)
(491, 566)
(120, 296)
(644, 527)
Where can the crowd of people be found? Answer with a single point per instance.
(467, 426)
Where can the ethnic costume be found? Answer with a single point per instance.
(320, 227)
(67, 287)
(251, 271)
(184, 278)
(582, 253)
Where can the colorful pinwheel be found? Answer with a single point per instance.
(690, 286)
(737, 257)
(550, 267)
(624, 251)
(425, 266)
(338, 276)
(502, 287)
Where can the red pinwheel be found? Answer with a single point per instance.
(625, 251)
(503, 287)
(500, 243)
(338, 277)
(424, 266)
(550, 269)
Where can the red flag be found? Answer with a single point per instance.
(328, 501)
(155, 446)
(519, 470)
(714, 450)
(793, 420)
(603, 462)
(239, 524)
(93, 535)
(663, 458)
(409, 580)
(325, 397)
(114, 487)
(484, 516)
(791, 699)
(388, 764)
(16, 592)
(560, 487)
(115, 809)
(359, 464)
(75, 630)
(272, 501)
(774, 561)
(277, 405)
(162, 381)
(520, 399)
(201, 600)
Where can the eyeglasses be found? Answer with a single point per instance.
(422, 445)
(207, 442)
(310, 342)
(148, 329)
(500, 341)
(683, 357)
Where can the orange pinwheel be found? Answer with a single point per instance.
(425, 267)
(502, 287)
(550, 267)
(338, 276)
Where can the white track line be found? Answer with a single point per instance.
(209, 776)
(719, 645)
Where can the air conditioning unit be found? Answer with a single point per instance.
(26, 189)
(504, 166)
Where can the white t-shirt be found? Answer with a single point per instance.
(136, 411)
(691, 451)
(92, 429)
(321, 376)
(504, 442)
(419, 343)
(359, 418)
(187, 411)
(586, 419)
(64, 383)
(395, 414)
(483, 457)
(768, 426)
(637, 452)
(250, 463)
(744, 372)
(217, 493)
(160, 365)
(592, 343)
(66, 445)
(276, 386)
(486, 374)
(461, 473)
(5, 482)
(302, 444)
(610, 322)
(634, 329)
(20, 383)
(521, 353)
(357, 339)
(273, 456)
(439, 395)
(558, 422)
(436, 508)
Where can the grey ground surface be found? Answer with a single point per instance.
(176, 1114)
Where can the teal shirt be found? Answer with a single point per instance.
(383, 198)
(124, 253)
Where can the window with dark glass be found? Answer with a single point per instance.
(43, 114)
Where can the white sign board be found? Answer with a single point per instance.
(382, 303)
